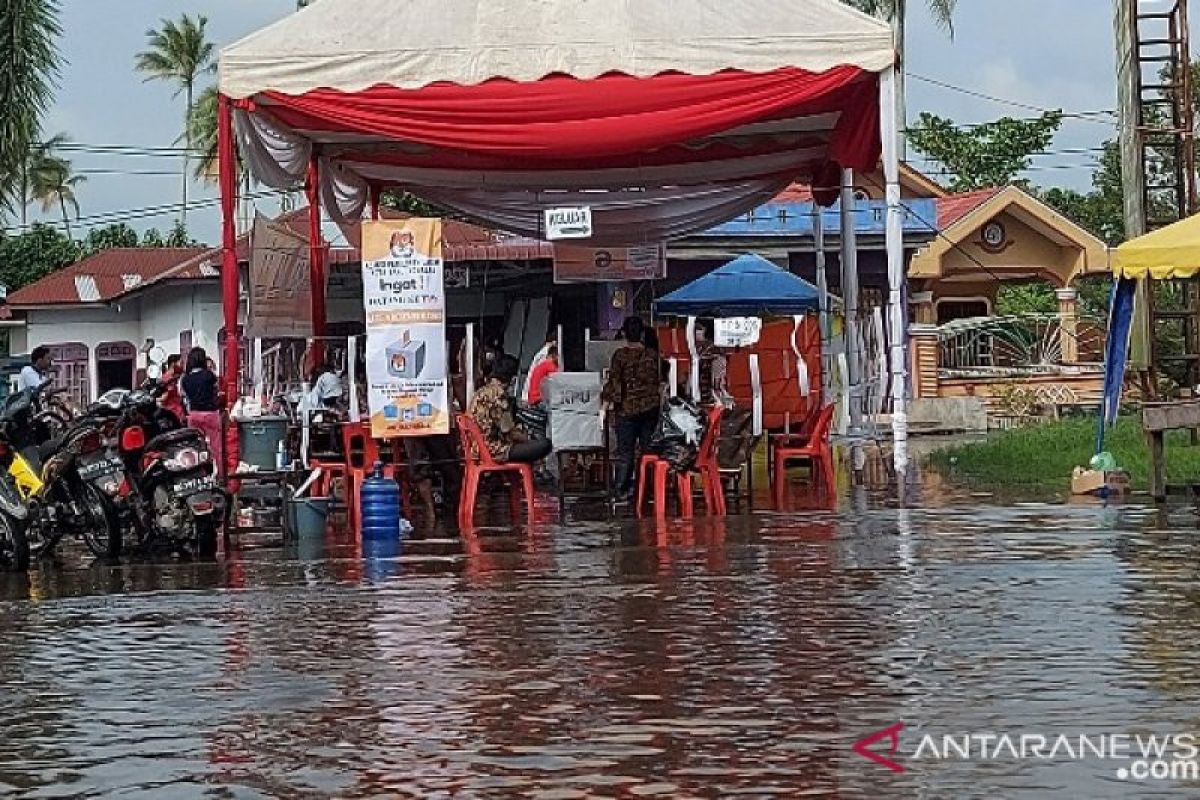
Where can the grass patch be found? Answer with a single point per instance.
(1045, 454)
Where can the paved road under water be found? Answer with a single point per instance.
(596, 659)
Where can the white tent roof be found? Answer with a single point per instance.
(350, 45)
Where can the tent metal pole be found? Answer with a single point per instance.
(897, 313)
(316, 249)
(854, 352)
(823, 311)
(230, 284)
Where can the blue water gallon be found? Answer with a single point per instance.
(380, 504)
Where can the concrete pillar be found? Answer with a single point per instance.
(1068, 324)
(926, 359)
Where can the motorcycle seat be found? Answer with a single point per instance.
(176, 437)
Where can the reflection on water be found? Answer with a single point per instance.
(698, 658)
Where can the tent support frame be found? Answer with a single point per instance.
(854, 351)
(894, 242)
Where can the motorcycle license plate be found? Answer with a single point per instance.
(102, 467)
(193, 485)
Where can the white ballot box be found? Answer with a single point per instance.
(573, 399)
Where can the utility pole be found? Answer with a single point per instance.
(899, 16)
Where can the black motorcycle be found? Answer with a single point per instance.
(171, 477)
(58, 502)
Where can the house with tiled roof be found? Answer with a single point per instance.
(97, 314)
(961, 249)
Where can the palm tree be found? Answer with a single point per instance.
(897, 11)
(38, 170)
(29, 65)
(202, 132)
(179, 53)
(55, 185)
(942, 10)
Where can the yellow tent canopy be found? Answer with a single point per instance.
(1170, 252)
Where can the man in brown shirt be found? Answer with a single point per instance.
(634, 392)
(492, 410)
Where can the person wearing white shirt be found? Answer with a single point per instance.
(33, 375)
(327, 389)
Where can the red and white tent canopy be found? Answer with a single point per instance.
(664, 116)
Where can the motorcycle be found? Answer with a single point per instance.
(57, 501)
(170, 476)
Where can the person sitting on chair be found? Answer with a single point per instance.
(492, 410)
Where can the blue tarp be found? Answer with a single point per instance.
(1116, 352)
(748, 286)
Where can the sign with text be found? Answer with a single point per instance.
(736, 331)
(567, 223)
(404, 298)
(280, 284)
(574, 264)
(573, 400)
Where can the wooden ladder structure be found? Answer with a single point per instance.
(1165, 147)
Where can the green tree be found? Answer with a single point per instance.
(179, 53)
(178, 236)
(986, 155)
(153, 238)
(1102, 210)
(942, 11)
(54, 186)
(29, 65)
(411, 204)
(106, 238)
(41, 166)
(34, 254)
(202, 133)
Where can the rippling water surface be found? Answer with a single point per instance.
(593, 659)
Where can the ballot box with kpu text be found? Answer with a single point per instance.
(573, 400)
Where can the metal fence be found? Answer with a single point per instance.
(1024, 343)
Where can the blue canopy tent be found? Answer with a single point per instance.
(748, 286)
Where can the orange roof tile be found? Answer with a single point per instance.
(953, 208)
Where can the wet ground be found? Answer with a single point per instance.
(593, 659)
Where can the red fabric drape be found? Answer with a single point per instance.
(316, 247)
(230, 284)
(564, 119)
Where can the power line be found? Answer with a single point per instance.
(1103, 117)
(128, 215)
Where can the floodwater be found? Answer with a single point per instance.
(740, 658)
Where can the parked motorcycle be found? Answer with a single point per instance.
(170, 477)
(57, 501)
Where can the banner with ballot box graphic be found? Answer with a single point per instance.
(404, 298)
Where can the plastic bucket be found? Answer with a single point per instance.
(307, 516)
(259, 440)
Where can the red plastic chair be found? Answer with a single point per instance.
(816, 451)
(651, 468)
(478, 461)
(707, 466)
(361, 452)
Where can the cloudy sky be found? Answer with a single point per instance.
(1034, 53)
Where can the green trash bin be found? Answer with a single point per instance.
(259, 439)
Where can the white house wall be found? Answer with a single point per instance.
(168, 310)
(87, 326)
(160, 313)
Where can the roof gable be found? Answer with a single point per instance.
(961, 216)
